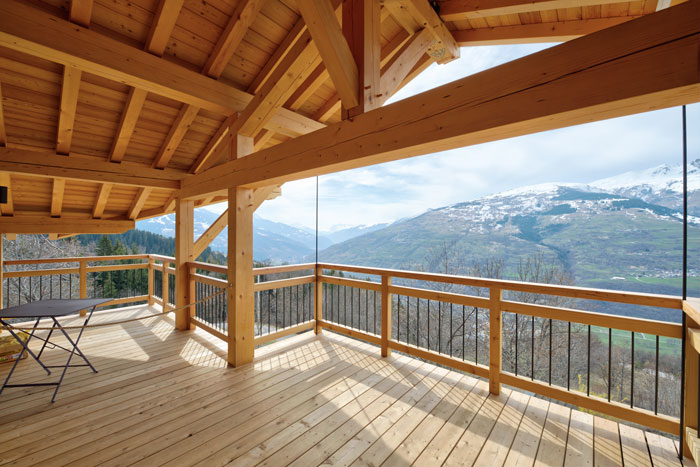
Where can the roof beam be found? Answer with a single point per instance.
(403, 62)
(599, 76)
(101, 201)
(233, 34)
(81, 12)
(7, 209)
(288, 76)
(62, 225)
(534, 33)
(42, 163)
(132, 110)
(163, 25)
(456, 10)
(177, 132)
(69, 104)
(139, 201)
(319, 16)
(3, 132)
(59, 187)
(212, 145)
(40, 34)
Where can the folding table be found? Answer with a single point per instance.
(49, 309)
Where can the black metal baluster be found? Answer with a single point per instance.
(418, 322)
(588, 363)
(277, 309)
(60, 286)
(284, 311)
(428, 324)
(366, 310)
(398, 318)
(31, 295)
(439, 349)
(41, 287)
(532, 350)
(374, 318)
(515, 355)
(476, 335)
(632, 375)
(609, 362)
(549, 379)
(352, 307)
(656, 379)
(568, 359)
(451, 330)
(464, 329)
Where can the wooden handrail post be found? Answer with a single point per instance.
(150, 282)
(83, 283)
(495, 345)
(386, 316)
(690, 392)
(166, 288)
(318, 300)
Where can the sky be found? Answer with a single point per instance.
(387, 192)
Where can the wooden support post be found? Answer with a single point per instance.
(150, 282)
(318, 300)
(184, 253)
(241, 310)
(690, 393)
(386, 316)
(166, 287)
(495, 354)
(361, 28)
(83, 283)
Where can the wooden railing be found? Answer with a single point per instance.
(487, 327)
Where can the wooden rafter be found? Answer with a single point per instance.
(457, 10)
(243, 16)
(59, 187)
(7, 209)
(599, 76)
(212, 145)
(308, 87)
(81, 12)
(533, 33)
(319, 16)
(69, 104)
(101, 201)
(177, 132)
(294, 69)
(62, 225)
(42, 163)
(163, 25)
(403, 62)
(139, 201)
(132, 110)
(3, 133)
(445, 49)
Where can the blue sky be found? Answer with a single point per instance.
(391, 191)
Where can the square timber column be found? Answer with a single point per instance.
(184, 253)
(241, 311)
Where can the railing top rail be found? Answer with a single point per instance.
(17, 262)
(162, 258)
(208, 267)
(285, 268)
(634, 298)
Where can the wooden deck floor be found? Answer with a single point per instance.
(167, 397)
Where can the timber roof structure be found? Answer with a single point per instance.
(108, 105)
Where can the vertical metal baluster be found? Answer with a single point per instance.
(366, 310)
(656, 379)
(277, 309)
(269, 311)
(588, 363)
(439, 327)
(60, 286)
(568, 359)
(398, 318)
(632, 375)
(451, 330)
(464, 329)
(31, 295)
(609, 362)
(41, 287)
(375, 311)
(428, 324)
(418, 322)
(284, 311)
(408, 319)
(532, 350)
(476, 335)
(352, 307)
(515, 355)
(549, 380)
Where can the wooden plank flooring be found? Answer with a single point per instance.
(163, 397)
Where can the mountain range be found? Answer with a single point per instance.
(620, 232)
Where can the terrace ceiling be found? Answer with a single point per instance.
(107, 105)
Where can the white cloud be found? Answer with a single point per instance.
(394, 190)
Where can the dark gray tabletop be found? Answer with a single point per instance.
(49, 308)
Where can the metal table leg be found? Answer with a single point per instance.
(25, 345)
(75, 348)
